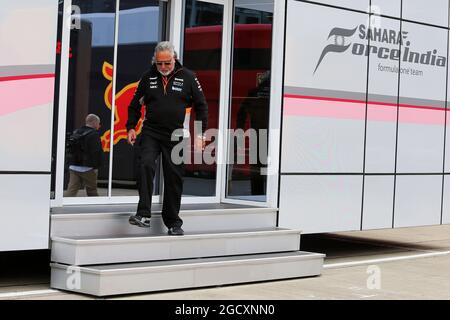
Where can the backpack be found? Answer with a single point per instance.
(76, 146)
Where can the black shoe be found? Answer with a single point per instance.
(175, 231)
(140, 221)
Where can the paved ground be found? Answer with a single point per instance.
(407, 263)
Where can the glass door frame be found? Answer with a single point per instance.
(175, 34)
(177, 39)
(62, 104)
(275, 110)
(59, 199)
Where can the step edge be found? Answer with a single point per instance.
(166, 238)
(77, 262)
(193, 265)
(64, 216)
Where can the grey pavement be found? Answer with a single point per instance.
(406, 263)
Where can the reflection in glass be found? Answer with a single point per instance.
(92, 43)
(141, 27)
(250, 101)
(202, 54)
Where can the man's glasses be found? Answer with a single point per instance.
(166, 63)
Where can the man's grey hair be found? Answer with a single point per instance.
(92, 120)
(164, 46)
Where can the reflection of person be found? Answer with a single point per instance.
(85, 172)
(256, 108)
(166, 90)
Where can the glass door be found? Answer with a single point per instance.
(246, 176)
(206, 37)
(142, 24)
(107, 45)
(91, 51)
(110, 44)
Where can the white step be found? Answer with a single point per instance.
(195, 220)
(179, 274)
(118, 249)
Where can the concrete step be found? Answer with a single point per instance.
(107, 222)
(119, 249)
(114, 279)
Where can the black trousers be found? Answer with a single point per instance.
(150, 148)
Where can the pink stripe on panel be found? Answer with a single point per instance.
(22, 94)
(324, 108)
(381, 112)
(421, 116)
(31, 76)
(338, 108)
(421, 107)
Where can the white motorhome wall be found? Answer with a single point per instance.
(363, 145)
(27, 67)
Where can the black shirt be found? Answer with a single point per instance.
(166, 100)
(92, 151)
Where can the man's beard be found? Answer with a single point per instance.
(165, 74)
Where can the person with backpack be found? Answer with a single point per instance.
(85, 155)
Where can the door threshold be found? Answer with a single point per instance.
(96, 208)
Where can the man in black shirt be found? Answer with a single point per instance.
(166, 90)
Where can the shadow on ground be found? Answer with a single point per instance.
(342, 246)
(22, 268)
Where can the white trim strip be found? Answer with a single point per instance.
(113, 99)
(27, 293)
(383, 260)
(276, 100)
(62, 103)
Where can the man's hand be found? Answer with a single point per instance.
(200, 143)
(131, 137)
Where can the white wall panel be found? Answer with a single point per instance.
(382, 99)
(320, 203)
(422, 100)
(447, 142)
(433, 12)
(420, 148)
(28, 32)
(24, 213)
(430, 43)
(324, 103)
(417, 200)
(378, 202)
(324, 115)
(27, 58)
(446, 201)
(322, 145)
(380, 146)
(27, 137)
(447, 133)
(314, 35)
(28, 42)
